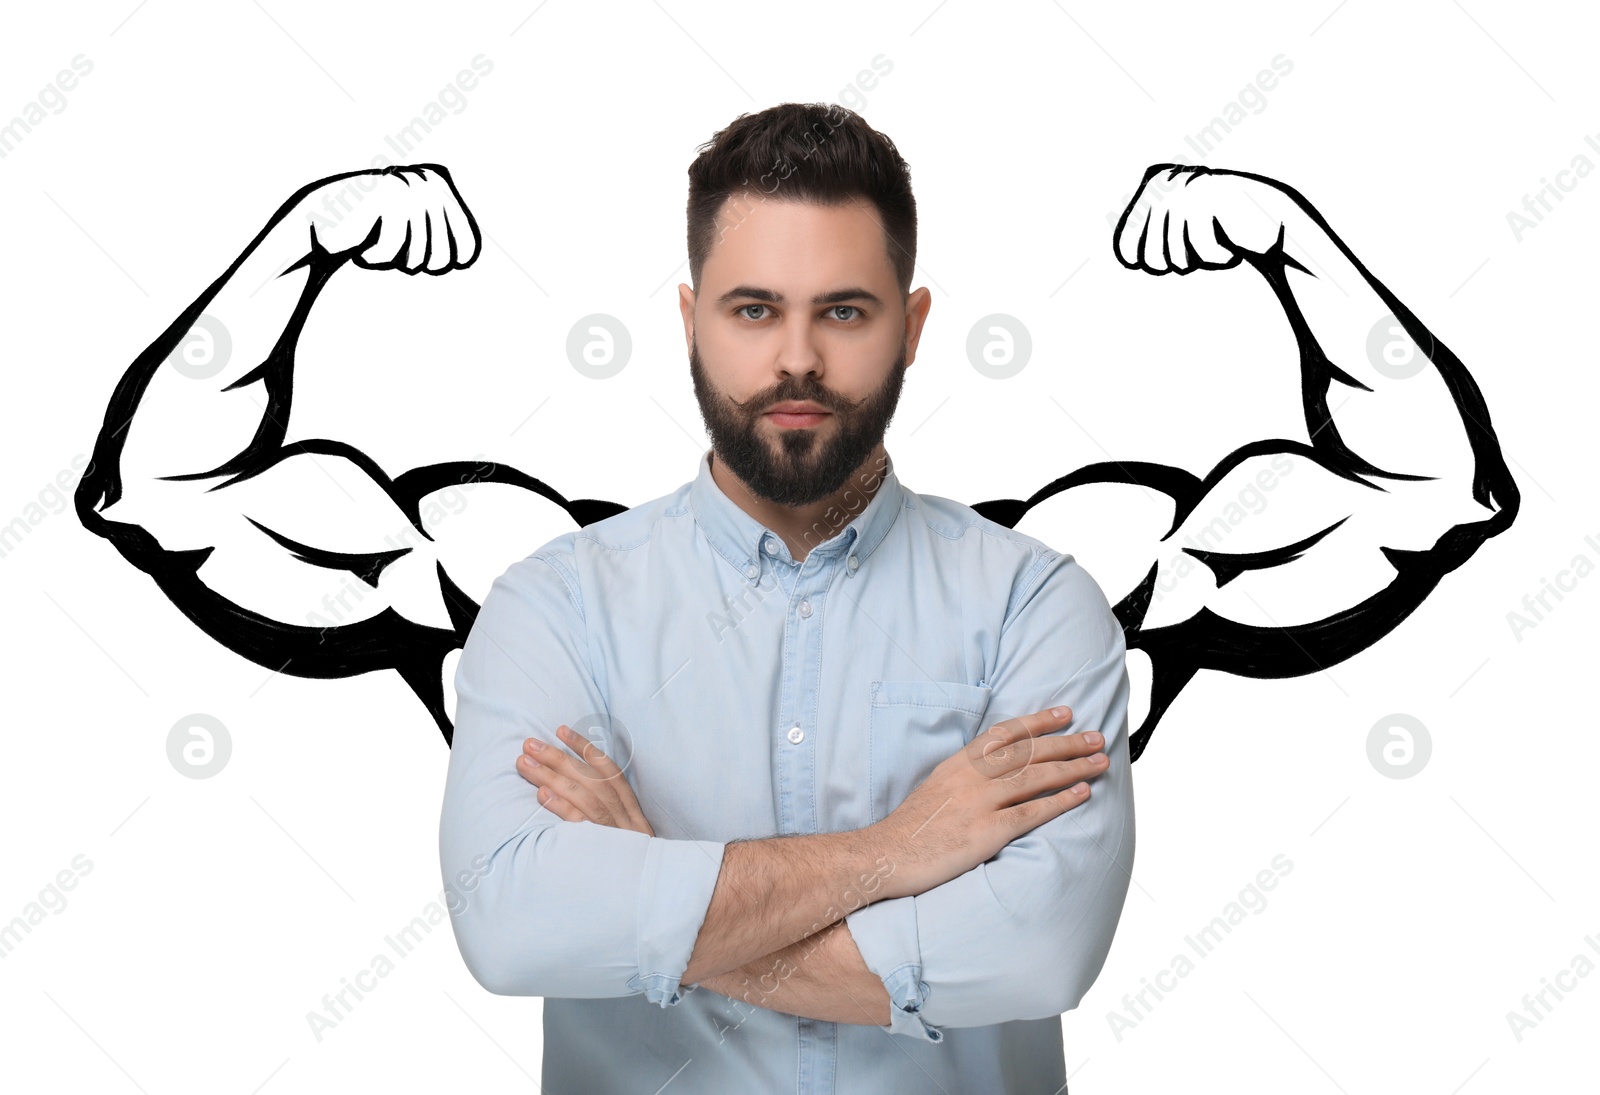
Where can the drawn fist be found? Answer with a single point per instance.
(404, 218)
(1193, 218)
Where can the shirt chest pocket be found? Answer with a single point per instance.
(914, 725)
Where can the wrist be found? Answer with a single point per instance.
(1281, 207)
(1253, 213)
(290, 239)
(888, 871)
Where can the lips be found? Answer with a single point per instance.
(797, 419)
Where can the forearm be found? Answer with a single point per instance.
(1356, 337)
(265, 295)
(771, 894)
(821, 977)
(258, 296)
(1336, 297)
(256, 307)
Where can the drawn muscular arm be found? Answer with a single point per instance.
(1388, 382)
(305, 557)
(1399, 435)
(240, 393)
(1288, 556)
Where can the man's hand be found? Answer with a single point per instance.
(1193, 218)
(978, 799)
(586, 787)
(408, 218)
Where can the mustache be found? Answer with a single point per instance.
(826, 401)
(796, 390)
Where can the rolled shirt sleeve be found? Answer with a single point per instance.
(1024, 935)
(559, 908)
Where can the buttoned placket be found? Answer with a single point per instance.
(794, 746)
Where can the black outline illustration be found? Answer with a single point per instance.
(1177, 651)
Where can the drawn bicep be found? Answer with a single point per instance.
(1279, 540)
(1111, 527)
(317, 540)
(480, 529)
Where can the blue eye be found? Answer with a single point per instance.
(742, 308)
(848, 308)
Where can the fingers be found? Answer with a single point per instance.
(1058, 747)
(562, 792)
(463, 231)
(1142, 238)
(591, 782)
(453, 244)
(402, 243)
(424, 226)
(1027, 726)
(463, 227)
(1211, 248)
(1180, 255)
(380, 255)
(452, 231)
(1157, 257)
(1011, 744)
(613, 784)
(1170, 225)
(559, 806)
(415, 253)
(1139, 238)
(1072, 797)
(559, 774)
(436, 247)
(1029, 781)
(1059, 758)
(1130, 232)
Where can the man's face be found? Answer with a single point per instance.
(799, 303)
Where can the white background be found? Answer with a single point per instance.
(218, 912)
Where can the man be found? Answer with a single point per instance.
(815, 710)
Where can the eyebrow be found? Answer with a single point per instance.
(767, 296)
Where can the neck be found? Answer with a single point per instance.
(804, 527)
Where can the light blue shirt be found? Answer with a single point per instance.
(750, 696)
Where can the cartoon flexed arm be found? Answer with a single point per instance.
(1399, 480)
(304, 557)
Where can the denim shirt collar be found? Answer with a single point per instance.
(742, 540)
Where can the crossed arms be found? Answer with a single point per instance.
(834, 926)
(1020, 935)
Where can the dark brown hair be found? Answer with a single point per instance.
(814, 152)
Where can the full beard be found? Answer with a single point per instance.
(805, 467)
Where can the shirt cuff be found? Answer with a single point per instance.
(674, 894)
(885, 933)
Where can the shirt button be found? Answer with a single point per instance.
(772, 547)
(854, 562)
(805, 608)
(752, 571)
(796, 734)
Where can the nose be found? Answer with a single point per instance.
(798, 355)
